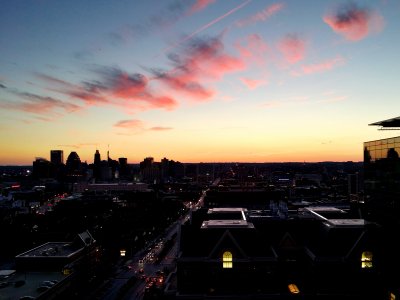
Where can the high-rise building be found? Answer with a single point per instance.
(382, 198)
(97, 158)
(41, 168)
(382, 177)
(73, 162)
(57, 157)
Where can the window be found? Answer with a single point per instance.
(227, 260)
(392, 296)
(366, 260)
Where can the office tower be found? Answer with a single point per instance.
(41, 168)
(73, 162)
(123, 167)
(97, 158)
(57, 157)
(382, 176)
(382, 198)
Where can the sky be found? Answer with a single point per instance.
(197, 80)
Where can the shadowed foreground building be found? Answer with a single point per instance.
(382, 197)
(315, 253)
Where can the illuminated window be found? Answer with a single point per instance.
(227, 260)
(293, 288)
(392, 296)
(366, 260)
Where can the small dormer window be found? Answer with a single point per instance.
(366, 260)
(227, 260)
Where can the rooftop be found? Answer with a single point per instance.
(226, 210)
(393, 123)
(52, 249)
(347, 222)
(226, 224)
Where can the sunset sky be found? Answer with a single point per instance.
(197, 80)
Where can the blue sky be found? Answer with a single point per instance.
(197, 80)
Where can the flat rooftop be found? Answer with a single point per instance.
(347, 222)
(226, 210)
(32, 281)
(226, 224)
(52, 249)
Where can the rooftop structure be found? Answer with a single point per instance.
(259, 257)
(390, 124)
(226, 224)
(54, 255)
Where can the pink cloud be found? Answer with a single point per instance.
(253, 83)
(323, 66)
(354, 23)
(292, 48)
(200, 5)
(159, 128)
(115, 87)
(130, 124)
(40, 105)
(137, 126)
(263, 15)
(253, 48)
(203, 60)
(208, 25)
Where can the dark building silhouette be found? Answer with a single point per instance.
(73, 162)
(124, 171)
(382, 180)
(224, 254)
(57, 157)
(41, 168)
(150, 170)
(382, 197)
(96, 166)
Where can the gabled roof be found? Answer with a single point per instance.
(287, 242)
(227, 240)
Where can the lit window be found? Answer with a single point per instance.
(392, 296)
(293, 288)
(366, 260)
(227, 260)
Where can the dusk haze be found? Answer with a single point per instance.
(196, 81)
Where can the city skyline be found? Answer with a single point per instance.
(196, 81)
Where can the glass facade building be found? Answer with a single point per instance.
(382, 180)
(381, 149)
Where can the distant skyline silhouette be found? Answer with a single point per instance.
(196, 81)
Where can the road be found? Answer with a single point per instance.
(143, 266)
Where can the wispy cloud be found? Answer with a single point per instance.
(320, 67)
(77, 146)
(353, 22)
(253, 48)
(201, 60)
(253, 83)
(39, 105)
(163, 18)
(159, 128)
(293, 48)
(114, 87)
(262, 15)
(206, 26)
(199, 5)
(135, 126)
(134, 123)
